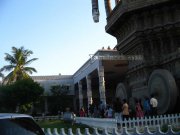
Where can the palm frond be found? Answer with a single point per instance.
(1, 69)
(1, 74)
(28, 52)
(10, 58)
(8, 68)
(8, 79)
(31, 60)
(14, 50)
(30, 69)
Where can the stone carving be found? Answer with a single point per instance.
(121, 91)
(162, 84)
(151, 29)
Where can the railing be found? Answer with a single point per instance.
(124, 131)
(47, 118)
(65, 116)
(105, 123)
(173, 119)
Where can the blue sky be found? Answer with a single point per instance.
(61, 33)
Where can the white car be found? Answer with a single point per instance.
(18, 124)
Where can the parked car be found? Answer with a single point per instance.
(18, 124)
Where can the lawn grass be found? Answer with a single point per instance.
(62, 124)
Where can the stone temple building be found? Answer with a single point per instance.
(96, 80)
(146, 28)
(150, 28)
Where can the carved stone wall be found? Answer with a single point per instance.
(150, 31)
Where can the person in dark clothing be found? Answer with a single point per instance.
(117, 107)
(102, 108)
(91, 110)
(147, 106)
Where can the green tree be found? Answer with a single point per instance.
(7, 102)
(59, 99)
(18, 66)
(22, 93)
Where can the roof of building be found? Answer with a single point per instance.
(52, 77)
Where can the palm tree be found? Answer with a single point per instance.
(18, 65)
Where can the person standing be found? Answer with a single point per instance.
(82, 112)
(139, 110)
(95, 111)
(117, 107)
(146, 106)
(125, 110)
(102, 108)
(109, 112)
(91, 110)
(154, 104)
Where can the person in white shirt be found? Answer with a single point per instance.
(154, 104)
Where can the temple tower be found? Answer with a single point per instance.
(151, 29)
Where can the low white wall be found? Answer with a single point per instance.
(173, 119)
(124, 131)
(105, 123)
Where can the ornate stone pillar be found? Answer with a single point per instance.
(102, 90)
(89, 90)
(80, 94)
(95, 10)
(108, 8)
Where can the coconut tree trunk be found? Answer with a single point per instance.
(95, 10)
(108, 8)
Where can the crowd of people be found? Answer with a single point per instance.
(121, 110)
